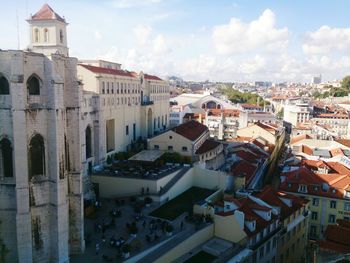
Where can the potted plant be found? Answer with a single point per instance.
(126, 250)
(169, 230)
(133, 230)
(148, 201)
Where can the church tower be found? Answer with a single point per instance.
(48, 34)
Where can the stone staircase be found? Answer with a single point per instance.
(174, 180)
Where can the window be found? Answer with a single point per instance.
(333, 204)
(4, 86)
(261, 254)
(331, 219)
(134, 131)
(268, 247)
(314, 215)
(110, 135)
(346, 218)
(170, 148)
(170, 137)
(347, 206)
(274, 242)
(184, 148)
(33, 85)
(288, 236)
(315, 201)
(302, 188)
(46, 35)
(156, 146)
(36, 160)
(313, 231)
(127, 129)
(36, 35)
(6, 165)
(88, 142)
(61, 36)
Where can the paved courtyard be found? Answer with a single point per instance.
(100, 231)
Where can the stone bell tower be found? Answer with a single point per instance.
(48, 32)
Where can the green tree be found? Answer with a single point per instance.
(345, 84)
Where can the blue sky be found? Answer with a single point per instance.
(217, 40)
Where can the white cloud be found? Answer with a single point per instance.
(98, 35)
(160, 45)
(255, 65)
(239, 37)
(133, 3)
(142, 33)
(326, 40)
(160, 17)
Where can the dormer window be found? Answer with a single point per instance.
(347, 194)
(302, 188)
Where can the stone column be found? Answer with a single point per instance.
(20, 153)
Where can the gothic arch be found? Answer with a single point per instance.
(33, 85)
(6, 158)
(36, 156)
(4, 86)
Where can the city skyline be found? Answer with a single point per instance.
(248, 41)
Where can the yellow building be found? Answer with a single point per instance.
(328, 192)
(190, 139)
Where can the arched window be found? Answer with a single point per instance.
(36, 156)
(6, 165)
(46, 35)
(36, 35)
(33, 85)
(4, 86)
(88, 142)
(61, 36)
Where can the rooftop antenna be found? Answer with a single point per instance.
(17, 25)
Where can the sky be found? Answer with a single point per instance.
(221, 40)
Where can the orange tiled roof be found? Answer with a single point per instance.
(47, 13)
(207, 146)
(337, 237)
(191, 130)
(100, 70)
(345, 142)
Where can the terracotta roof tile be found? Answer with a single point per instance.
(345, 142)
(99, 70)
(151, 77)
(207, 146)
(47, 13)
(191, 130)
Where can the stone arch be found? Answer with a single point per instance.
(149, 122)
(88, 142)
(36, 156)
(6, 158)
(211, 104)
(33, 85)
(4, 86)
